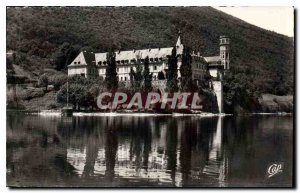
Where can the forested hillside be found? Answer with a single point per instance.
(50, 37)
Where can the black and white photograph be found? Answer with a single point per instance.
(150, 97)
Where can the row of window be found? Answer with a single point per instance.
(223, 41)
(128, 78)
(125, 70)
(131, 61)
(223, 55)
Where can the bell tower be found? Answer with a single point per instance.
(224, 52)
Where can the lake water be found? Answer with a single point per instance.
(148, 151)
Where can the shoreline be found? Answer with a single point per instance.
(141, 114)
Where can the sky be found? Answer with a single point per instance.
(277, 19)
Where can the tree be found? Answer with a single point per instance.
(172, 83)
(161, 75)
(111, 78)
(82, 92)
(186, 71)
(147, 76)
(58, 80)
(138, 78)
(65, 54)
(132, 75)
(43, 81)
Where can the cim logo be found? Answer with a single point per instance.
(274, 168)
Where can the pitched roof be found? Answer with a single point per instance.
(138, 54)
(88, 58)
(212, 59)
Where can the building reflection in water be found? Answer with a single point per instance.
(148, 151)
(167, 151)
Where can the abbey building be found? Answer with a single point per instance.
(94, 64)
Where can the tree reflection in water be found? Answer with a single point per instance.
(146, 151)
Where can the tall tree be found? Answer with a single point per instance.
(132, 75)
(65, 54)
(186, 71)
(111, 78)
(172, 83)
(161, 75)
(138, 77)
(147, 76)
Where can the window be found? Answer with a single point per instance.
(155, 67)
(126, 61)
(142, 60)
(118, 62)
(154, 77)
(75, 62)
(151, 59)
(156, 59)
(121, 78)
(104, 62)
(125, 78)
(99, 63)
(117, 69)
(78, 62)
(122, 61)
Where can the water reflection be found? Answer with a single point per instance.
(147, 151)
